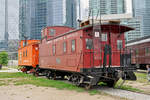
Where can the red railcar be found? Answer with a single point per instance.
(140, 49)
(87, 55)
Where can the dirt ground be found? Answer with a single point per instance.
(30, 92)
(142, 86)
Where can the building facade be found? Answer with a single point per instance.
(34, 15)
(134, 23)
(107, 6)
(141, 9)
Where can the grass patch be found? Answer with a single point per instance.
(129, 88)
(30, 79)
(141, 77)
(14, 67)
(24, 79)
(102, 84)
(94, 92)
(5, 68)
(47, 83)
(1, 84)
(14, 75)
(126, 87)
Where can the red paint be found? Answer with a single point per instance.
(139, 55)
(81, 57)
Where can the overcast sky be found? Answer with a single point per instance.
(14, 16)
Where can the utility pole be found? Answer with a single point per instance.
(6, 23)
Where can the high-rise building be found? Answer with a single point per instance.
(107, 6)
(62, 12)
(32, 18)
(141, 9)
(34, 15)
(134, 23)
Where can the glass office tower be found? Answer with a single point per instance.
(34, 15)
(141, 9)
(107, 6)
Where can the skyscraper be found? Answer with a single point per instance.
(107, 6)
(141, 9)
(134, 23)
(62, 12)
(37, 14)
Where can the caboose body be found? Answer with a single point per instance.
(28, 54)
(87, 55)
(73, 51)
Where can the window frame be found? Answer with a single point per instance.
(64, 46)
(119, 47)
(86, 44)
(104, 37)
(74, 45)
(50, 32)
(147, 51)
(26, 53)
(54, 49)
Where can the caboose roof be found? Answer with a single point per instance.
(115, 28)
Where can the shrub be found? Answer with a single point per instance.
(3, 58)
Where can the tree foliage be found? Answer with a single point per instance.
(3, 58)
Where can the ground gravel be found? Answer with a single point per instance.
(11, 70)
(30, 92)
(124, 93)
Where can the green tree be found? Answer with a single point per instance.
(3, 58)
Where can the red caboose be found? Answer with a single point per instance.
(28, 54)
(87, 55)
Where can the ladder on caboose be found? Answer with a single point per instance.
(97, 53)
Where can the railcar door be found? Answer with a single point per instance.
(88, 52)
(92, 51)
(97, 48)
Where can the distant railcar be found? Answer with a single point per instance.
(140, 51)
(28, 54)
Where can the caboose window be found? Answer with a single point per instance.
(26, 53)
(147, 51)
(136, 52)
(73, 45)
(119, 44)
(23, 54)
(52, 32)
(104, 37)
(89, 43)
(65, 47)
(54, 49)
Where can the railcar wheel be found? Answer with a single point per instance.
(36, 74)
(53, 76)
(76, 80)
(88, 86)
(112, 83)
